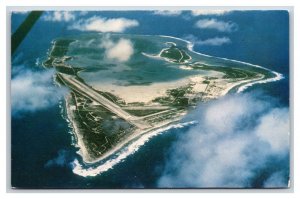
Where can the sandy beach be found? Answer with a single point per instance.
(142, 93)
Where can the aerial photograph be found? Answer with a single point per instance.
(150, 99)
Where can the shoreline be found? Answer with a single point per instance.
(135, 135)
(138, 134)
(190, 46)
(242, 84)
(138, 92)
(82, 150)
(124, 152)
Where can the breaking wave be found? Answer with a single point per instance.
(82, 170)
(278, 76)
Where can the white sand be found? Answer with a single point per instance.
(197, 88)
(197, 79)
(184, 67)
(147, 93)
(142, 93)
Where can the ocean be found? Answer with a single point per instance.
(42, 147)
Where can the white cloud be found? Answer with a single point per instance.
(224, 121)
(168, 12)
(275, 180)
(59, 16)
(209, 12)
(120, 51)
(62, 160)
(104, 25)
(229, 148)
(273, 129)
(215, 41)
(31, 91)
(215, 24)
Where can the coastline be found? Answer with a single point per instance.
(135, 135)
(82, 150)
(120, 145)
(124, 152)
(139, 134)
(137, 92)
(190, 46)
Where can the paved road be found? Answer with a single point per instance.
(93, 95)
(145, 107)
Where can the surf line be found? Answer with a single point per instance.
(278, 76)
(130, 149)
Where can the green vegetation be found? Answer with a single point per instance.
(66, 70)
(60, 47)
(100, 128)
(112, 98)
(175, 54)
(103, 123)
(136, 104)
(230, 72)
(48, 62)
(166, 115)
(175, 97)
(57, 56)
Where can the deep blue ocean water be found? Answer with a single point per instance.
(262, 38)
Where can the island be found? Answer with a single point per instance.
(113, 102)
